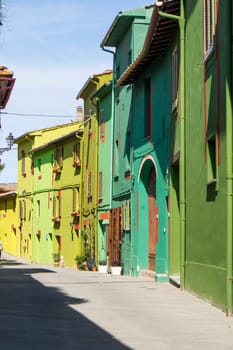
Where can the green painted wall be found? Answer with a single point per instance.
(127, 37)
(35, 191)
(205, 265)
(89, 190)
(148, 154)
(43, 206)
(105, 120)
(61, 236)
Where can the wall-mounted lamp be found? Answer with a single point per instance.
(10, 141)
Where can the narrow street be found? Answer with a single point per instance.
(43, 307)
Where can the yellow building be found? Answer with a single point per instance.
(89, 190)
(27, 181)
(8, 219)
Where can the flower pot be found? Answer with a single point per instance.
(102, 268)
(116, 270)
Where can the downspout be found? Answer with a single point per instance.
(80, 138)
(181, 22)
(112, 124)
(229, 147)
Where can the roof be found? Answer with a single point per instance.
(57, 140)
(120, 25)
(6, 187)
(103, 90)
(8, 194)
(159, 34)
(91, 80)
(8, 190)
(6, 85)
(38, 131)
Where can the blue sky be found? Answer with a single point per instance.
(53, 47)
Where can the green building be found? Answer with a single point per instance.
(125, 39)
(151, 79)
(208, 151)
(103, 98)
(89, 189)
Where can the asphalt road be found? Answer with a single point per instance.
(43, 307)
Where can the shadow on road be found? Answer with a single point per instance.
(4, 262)
(33, 316)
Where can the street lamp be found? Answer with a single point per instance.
(10, 141)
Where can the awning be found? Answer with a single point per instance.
(6, 85)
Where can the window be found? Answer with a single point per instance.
(39, 165)
(129, 57)
(89, 185)
(32, 168)
(76, 202)
(147, 107)
(76, 155)
(22, 209)
(208, 26)
(57, 207)
(23, 163)
(58, 159)
(117, 90)
(125, 216)
(211, 161)
(102, 126)
(116, 161)
(38, 208)
(175, 77)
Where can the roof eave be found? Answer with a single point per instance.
(130, 74)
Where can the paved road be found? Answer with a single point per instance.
(43, 307)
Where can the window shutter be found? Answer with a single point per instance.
(100, 184)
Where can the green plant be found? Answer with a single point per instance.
(56, 257)
(102, 262)
(81, 262)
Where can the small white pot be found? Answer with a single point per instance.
(116, 270)
(102, 268)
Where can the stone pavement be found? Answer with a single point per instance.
(44, 307)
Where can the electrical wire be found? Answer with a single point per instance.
(38, 115)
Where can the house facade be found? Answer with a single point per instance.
(208, 151)
(126, 37)
(89, 190)
(151, 77)
(103, 98)
(36, 190)
(8, 218)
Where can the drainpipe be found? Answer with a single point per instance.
(80, 138)
(229, 147)
(181, 22)
(112, 125)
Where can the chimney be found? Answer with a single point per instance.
(79, 114)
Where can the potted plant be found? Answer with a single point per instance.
(81, 262)
(56, 259)
(116, 268)
(91, 266)
(102, 266)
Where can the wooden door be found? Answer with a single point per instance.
(152, 220)
(114, 237)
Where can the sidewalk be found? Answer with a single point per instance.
(74, 310)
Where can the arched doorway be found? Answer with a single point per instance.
(147, 214)
(152, 220)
